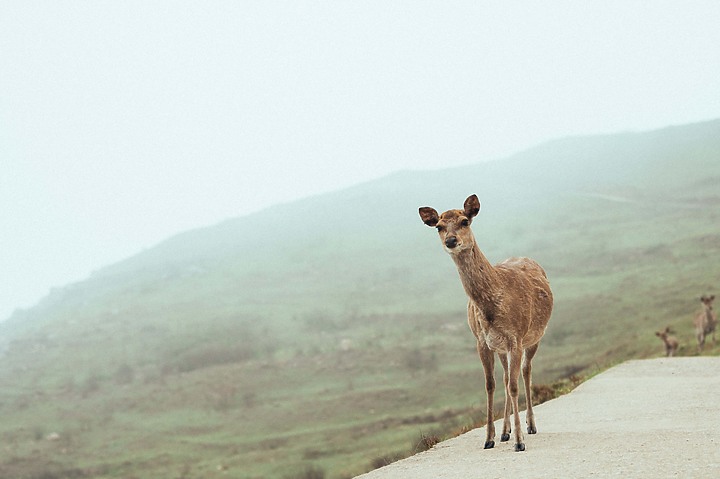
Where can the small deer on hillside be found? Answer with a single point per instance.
(508, 310)
(671, 343)
(705, 322)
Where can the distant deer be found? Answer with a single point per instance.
(671, 343)
(508, 310)
(705, 322)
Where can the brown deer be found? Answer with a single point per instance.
(508, 310)
(705, 322)
(671, 343)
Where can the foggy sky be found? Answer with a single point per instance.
(124, 122)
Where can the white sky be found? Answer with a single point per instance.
(124, 122)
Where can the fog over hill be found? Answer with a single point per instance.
(663, 168)
(316, 321)
(661, 164)
(126, 122)
(649, 162)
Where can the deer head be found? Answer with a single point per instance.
(663, 334)
(453, 226)
(707, 301)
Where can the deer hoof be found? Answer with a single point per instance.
(519, 447)
(489, 444)
(532, 430)
(505, 437)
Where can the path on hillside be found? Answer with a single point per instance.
(651, 418)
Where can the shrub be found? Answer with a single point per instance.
(417, 359)
(222, 397)
(310, 472)
(124, 374)
(383, 461)
(213, 355)
(425, 442)
(38, 433)
(249, 399)
(90, 385)
(320, 321)
(545, 392)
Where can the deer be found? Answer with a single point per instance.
(671, 343)
(508, 310)
(705, 322)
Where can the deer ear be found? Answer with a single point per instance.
(472, 206)
(429, 216)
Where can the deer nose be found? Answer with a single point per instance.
(451, 241)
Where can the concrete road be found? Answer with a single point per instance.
(651, 418)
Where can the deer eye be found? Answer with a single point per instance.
(465, 222)
(440, 228)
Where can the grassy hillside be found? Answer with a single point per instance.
(328, 335)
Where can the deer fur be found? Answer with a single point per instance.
(705, 322)
(671, 343)
(509, 306)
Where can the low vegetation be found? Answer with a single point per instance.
(328, 337)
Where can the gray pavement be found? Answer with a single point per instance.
(652, 418)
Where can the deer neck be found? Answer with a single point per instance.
(478, 276)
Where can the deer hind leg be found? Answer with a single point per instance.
(514, 362)
(508, 403)
(488, 361)
(527, 379)
(700, 341)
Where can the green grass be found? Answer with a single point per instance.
(344, 341)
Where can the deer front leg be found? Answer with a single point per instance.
(527, 379)
(515, 359)
(508, 404)
(488, 361)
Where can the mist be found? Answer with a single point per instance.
(212, 259)
(124, 123)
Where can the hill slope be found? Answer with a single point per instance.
(330, 330)
(607, 435)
